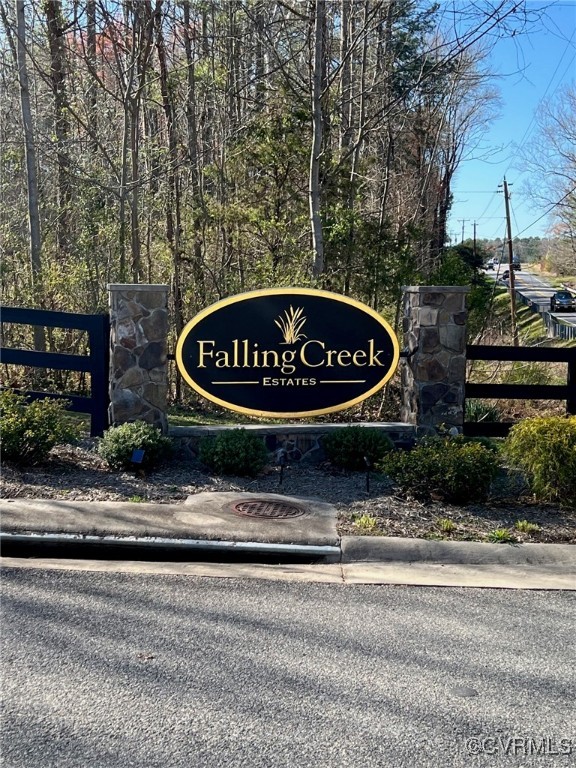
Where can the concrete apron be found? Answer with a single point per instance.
(207, 523)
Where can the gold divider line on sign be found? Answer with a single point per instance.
(321, 381)
(235, 382)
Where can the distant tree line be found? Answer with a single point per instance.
(556, 253)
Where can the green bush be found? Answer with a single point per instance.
(347, 447)
(118, 444)
(234, 452)
(545, 449)
(490, 443)
(30, 430)
(452, 468)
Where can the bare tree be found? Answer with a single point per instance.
(173, 202)
(551, 158)
(210, 144)
(193, 156)
(92, 91)
(318, 22)
(35, 242)
(56, 30)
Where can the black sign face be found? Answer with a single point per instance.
(287, 352)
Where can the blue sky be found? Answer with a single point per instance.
(533, 67)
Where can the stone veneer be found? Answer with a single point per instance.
(138, 382)
(433, 365)
(297, 443)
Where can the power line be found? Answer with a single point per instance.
(513, 214)
(493, 198)
(487, 206)
(531, 123)
(564, 73)
(546, 212)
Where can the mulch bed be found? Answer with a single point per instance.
(78, 473)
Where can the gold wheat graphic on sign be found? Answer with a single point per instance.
(291, 325)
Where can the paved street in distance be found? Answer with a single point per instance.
(105, 669)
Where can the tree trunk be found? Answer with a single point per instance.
(91, 50)
(123, 193)
(346, 77)
(314, 192)
(197, 200)
(173, 203)
(349, 265)
(31, 173)
(142, 39)
(55, 28)
(135, 249)
(259, 58)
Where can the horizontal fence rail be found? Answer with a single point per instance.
(95, 363)
(519, 391)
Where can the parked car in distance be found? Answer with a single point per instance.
(563, 301)
(516, 265)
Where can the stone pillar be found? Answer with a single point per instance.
(433, 366)
(138, 382)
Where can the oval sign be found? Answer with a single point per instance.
(287, 352)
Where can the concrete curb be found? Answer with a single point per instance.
(91, 529)
(78, 541)
(402, 550)
(382, 574)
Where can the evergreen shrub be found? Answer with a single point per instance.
(234, 452)
(454, 469)
(118, 444)
(30, 430)
(545, 449)
(348, 447)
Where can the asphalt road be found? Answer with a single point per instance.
(538, 292)
(106, 669)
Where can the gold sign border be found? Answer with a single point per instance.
(287, 292)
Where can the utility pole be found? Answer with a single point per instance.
(463, 220)
(474, 243)
(510, 267)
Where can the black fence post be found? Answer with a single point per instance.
(565, 392)
(96, 363)
(99, 374)
(571, 400)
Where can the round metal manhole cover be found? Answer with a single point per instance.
(265, 508)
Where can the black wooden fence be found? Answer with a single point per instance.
(565, 392)
(95, 363)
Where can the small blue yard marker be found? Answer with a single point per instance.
(137, 456)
